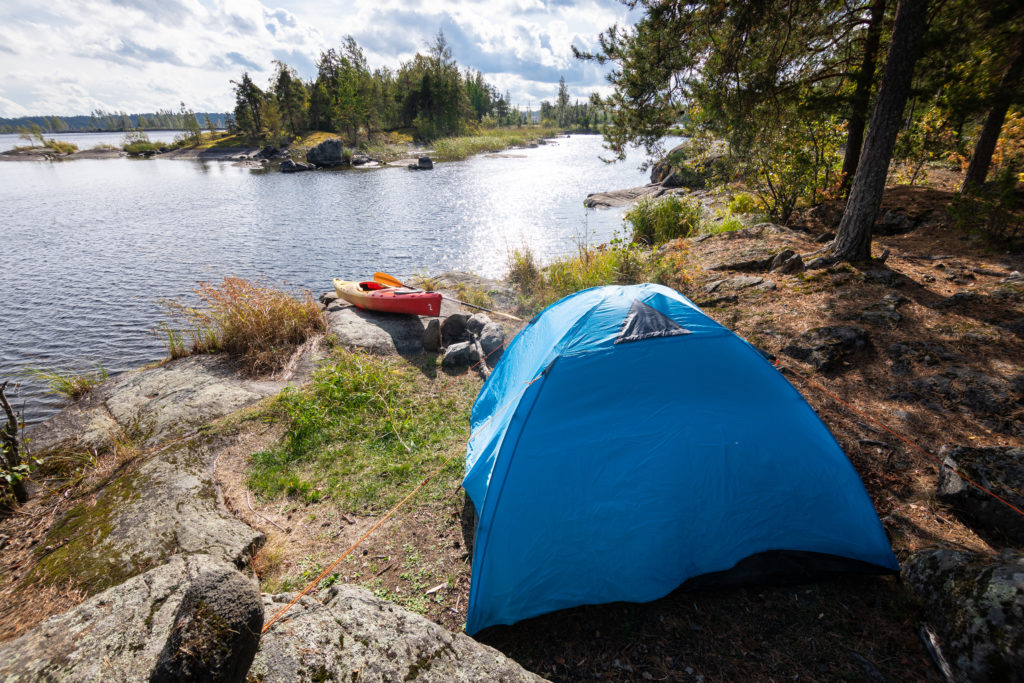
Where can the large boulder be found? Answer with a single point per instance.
(975, 604)
(423, 163)
(380, 333)
(828, 348)
(683, 166)
(454, 329)
(327, 154)
(476, 323)
(117, 635)
(352, 635)
(492, 339)
(215, 633)
(998, 469)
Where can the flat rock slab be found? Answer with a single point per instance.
(397, 334)
(356, 636)
(604, 200)
(752, 249)
(116, 635)
(167, 506)
(153, 404)
(740, 282)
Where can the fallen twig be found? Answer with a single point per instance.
(265, 519)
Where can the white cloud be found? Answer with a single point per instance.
(141, 55)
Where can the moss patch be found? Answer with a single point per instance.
(68, 554)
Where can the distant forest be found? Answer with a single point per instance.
(429, 96)
(103, 121)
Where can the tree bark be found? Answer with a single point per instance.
(853, 241)
(862, 94)
(11, 445)
(981, 158)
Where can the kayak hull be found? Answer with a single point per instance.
(372, 296)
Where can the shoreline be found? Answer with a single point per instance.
(911, 317)
(252, 152)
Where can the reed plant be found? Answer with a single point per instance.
(495, 140)
(71, 385)
(259, 324)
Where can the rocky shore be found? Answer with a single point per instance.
(145, 565)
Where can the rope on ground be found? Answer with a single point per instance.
(315, 582)
(808, 380)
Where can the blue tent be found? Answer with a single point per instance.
(627, 443)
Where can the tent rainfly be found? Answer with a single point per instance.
(627, 444)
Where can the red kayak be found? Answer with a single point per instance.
(373, 296)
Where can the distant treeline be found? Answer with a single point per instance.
(429, 95)
(101, 120)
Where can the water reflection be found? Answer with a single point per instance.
(90, 246)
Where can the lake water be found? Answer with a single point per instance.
(89, 247)
(86, 140)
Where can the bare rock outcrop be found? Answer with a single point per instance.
(153, 404)
(117, 635)
(975, 604)
(352, 635)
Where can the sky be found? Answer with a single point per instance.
(65, 57)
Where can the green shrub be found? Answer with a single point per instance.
(741, 202)
(619, 263)
(726, 223)
(656, 221)
(137, 142)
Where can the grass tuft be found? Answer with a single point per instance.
(261, 325)
(71, 385)
(363, 431)
(619, 263)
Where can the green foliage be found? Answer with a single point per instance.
(70, 385)
(191, 133)
(35, 134)
(656, 221)
(619, 262)
(795, 163)
(365, 430)
(723, 223)
(742, 203)
(463, 147)
(137, 142)
(927, 139)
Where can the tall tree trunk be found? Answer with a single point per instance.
(986, 145)
(862, 94)
(853, 241)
